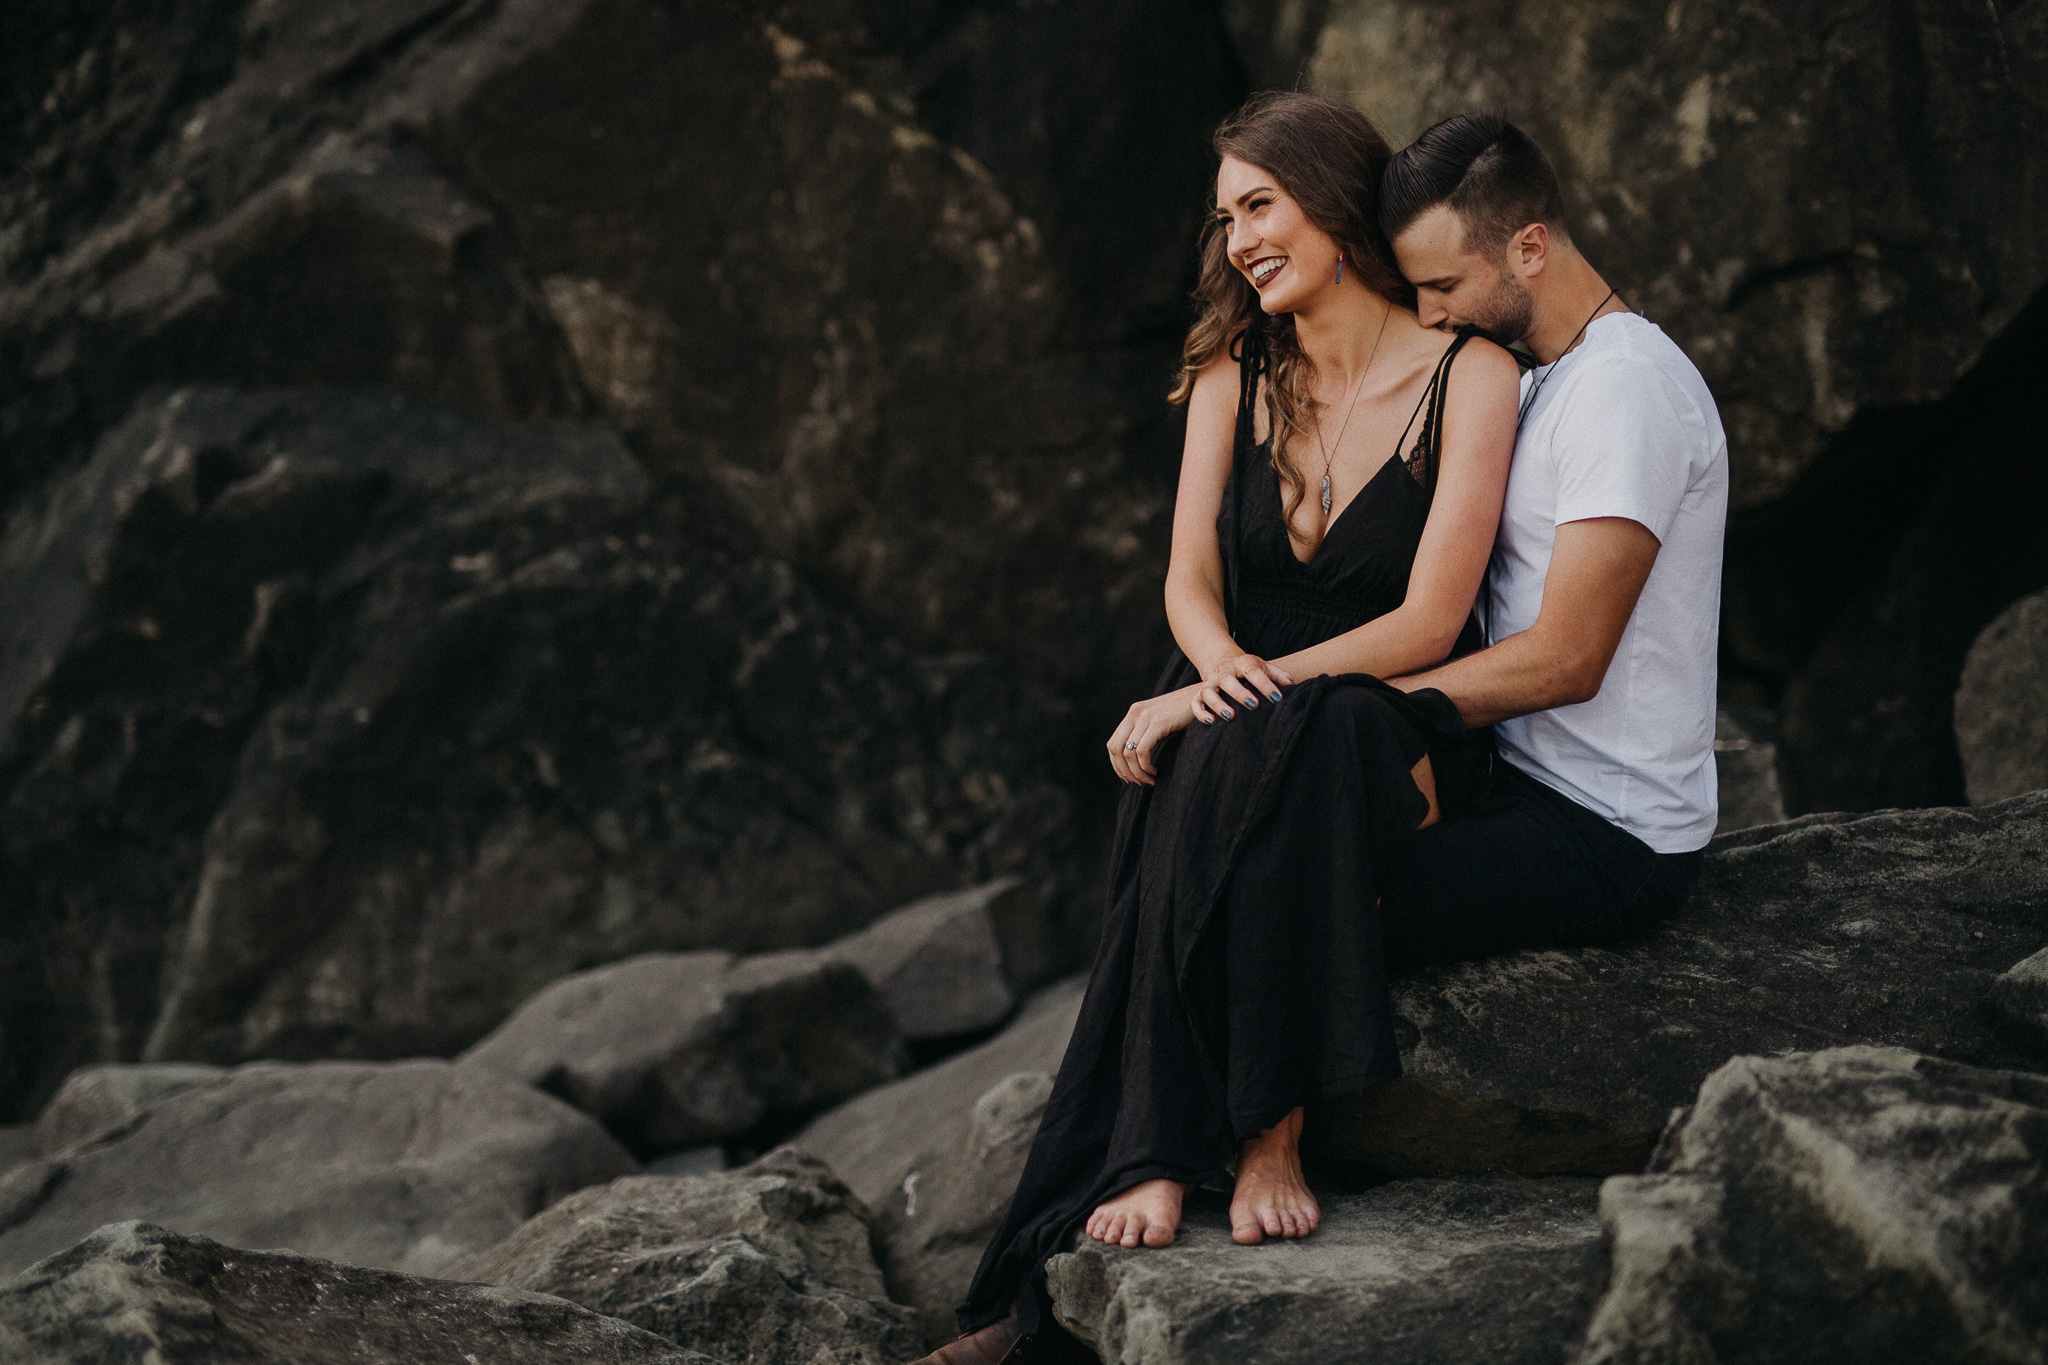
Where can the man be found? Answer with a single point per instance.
(1602, 602)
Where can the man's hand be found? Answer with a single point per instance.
(1597, 571)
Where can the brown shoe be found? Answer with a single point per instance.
(991, 1345)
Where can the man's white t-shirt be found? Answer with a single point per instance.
(1624, 427)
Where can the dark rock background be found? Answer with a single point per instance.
(493, 487)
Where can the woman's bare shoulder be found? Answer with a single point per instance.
(1490, 364)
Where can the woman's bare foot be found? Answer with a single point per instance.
(1147, 1214)
(1272, 1199)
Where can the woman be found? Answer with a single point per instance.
(1337, 507)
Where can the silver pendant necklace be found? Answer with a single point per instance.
(1357, 389)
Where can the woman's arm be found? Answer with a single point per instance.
(1194, 573)
(1457, 541)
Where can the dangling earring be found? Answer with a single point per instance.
(1340, 270)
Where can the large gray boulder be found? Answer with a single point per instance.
(2002, 705)
(1851, 1204)
(404, 1165)
(96, 1101)
(1419, 1272)
(952, 964)
(674, 1049)
(766, 1265)
(1883, 929)
(134, 1294)
(341, 723)
(936, 1155)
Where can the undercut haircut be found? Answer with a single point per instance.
(1489, 172)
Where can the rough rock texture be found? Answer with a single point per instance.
(405, 1165)
(1746, 761)
(951, 964)
(1852, 1204)
(2021, 994)
(1882, 929)
(94, 1101)
(937, 1154)
(133, 1294)
(672, 1049)
(2002, 705)
(942, 395)
(1419, 1272)
(339, 723)
(766, 1265)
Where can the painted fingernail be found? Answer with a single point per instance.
(1228, 713)
(1274, 694)
(1206, 721)
(1253, 703)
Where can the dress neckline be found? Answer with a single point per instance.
(1393, 462)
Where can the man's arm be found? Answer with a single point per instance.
(1597, 571)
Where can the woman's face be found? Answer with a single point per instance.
(1288, 259)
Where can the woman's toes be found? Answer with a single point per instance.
(1133, 1230)
(1158, 1235)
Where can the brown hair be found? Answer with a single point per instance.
(1328, 157)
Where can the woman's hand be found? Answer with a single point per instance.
(1144, 725)
(1238, 680)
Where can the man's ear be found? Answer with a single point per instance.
(1528, 251)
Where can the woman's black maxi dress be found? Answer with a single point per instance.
(1240, 972)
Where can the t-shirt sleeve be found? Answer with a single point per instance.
(1625, 446)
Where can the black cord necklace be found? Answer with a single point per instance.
(1537, 387)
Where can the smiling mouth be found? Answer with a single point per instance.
(1264, 270)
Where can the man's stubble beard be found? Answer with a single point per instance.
(1507, 313)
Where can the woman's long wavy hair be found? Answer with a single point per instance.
(1327, 156)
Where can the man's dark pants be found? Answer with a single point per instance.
(1533, 870)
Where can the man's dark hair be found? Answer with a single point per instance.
(1490, 173)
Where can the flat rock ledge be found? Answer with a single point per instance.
(134, 1294)
(1826, 931)
(1497, 1269)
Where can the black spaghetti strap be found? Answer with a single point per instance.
(1428, 448)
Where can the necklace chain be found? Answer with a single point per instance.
(1357, 389)
(1537, 387)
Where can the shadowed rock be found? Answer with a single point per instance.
(1419, 1272)
(405, 1165)
(937, 1154)
(372, 719)
(1746, 764)
(953, 964)
(2002, 705)
(1854, 1204)
(2021, 994)
(1880, 929)
(132, 1294)
(669, 1050)
(760, 1266)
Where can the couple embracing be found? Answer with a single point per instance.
(1445, 677)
